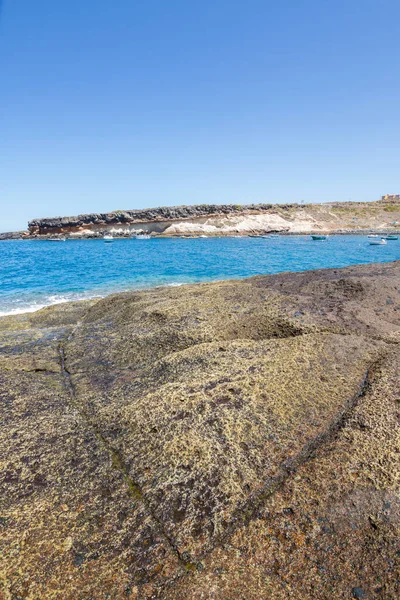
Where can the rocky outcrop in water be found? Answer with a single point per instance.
(14, 235)
(225, 440)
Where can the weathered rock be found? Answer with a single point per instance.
(228, 440)
(14, 235)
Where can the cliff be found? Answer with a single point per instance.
(225, 440)
(227, 220)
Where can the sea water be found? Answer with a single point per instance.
(37, 273)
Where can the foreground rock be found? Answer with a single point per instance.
(228, 440)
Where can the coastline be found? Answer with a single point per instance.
(76, 271)
(91, 299)
(224, 220)
(25, 236)
(86, 298)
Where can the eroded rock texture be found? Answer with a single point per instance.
(235, 440)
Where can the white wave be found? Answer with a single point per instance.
(22, 310)
(33, 306)
(50, 301)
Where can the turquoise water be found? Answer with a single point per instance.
(36, 273)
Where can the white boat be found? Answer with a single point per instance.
(142, 236)
(108, 238)
(380, 242)
(373, 235)
(59, 239)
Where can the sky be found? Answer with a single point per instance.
(123, 104)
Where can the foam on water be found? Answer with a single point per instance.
(29, 307)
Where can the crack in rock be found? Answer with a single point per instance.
(118, 462)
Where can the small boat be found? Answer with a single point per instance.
(373, 235)
(270, 235)
(381, 242)
(318, 237)
(390, 237)
(142, 236)
(108, 238)
(59, 239)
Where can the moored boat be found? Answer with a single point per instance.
(381, 242)
(108, 238)
(318, 237)
(390, 237)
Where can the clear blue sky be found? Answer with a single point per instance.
(137, 103)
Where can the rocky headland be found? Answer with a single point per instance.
(233, 219)
(224, 440)
(14, 235)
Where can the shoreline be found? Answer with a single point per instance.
(98, 297)
(24, 236)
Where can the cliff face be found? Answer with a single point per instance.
(226, 440)
(226, 219)
(129, 217)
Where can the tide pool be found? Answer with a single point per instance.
(37, 273)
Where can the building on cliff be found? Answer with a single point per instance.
(394, 197)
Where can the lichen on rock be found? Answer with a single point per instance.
(228, 440)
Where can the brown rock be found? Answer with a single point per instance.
(204, 442)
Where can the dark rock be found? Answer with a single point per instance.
(14, 235)
(358, 592)
(79, 559)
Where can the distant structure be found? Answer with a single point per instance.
(391, 197)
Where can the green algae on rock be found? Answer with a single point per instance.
(229, 440)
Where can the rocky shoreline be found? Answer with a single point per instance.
(118, 235)
(236, 439)
(14, 235)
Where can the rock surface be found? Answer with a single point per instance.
(14, 235)
(228, 219)
(229, 440)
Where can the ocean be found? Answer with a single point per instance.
(38, 273)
